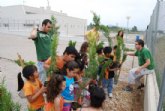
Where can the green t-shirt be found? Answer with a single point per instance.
(43, 45)
(143, 55)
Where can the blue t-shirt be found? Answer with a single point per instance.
(68, 92)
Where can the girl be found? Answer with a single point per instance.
(72, 69)
(54, 98)
(32, 88)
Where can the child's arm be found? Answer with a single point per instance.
(57, 104)
(32, 98)
(47, 63)
(113, 69)
(68, 101)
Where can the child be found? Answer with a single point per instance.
(72, 69)
(69, 54)
(97, 97)
(33, 89)
(109, 72)
(54, 88)
(83, 53)
(100, 60)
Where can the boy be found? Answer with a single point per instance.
(109, 71)
(69, 54)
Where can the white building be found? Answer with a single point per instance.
(19, 19)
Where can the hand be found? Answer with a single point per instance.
(33, 34)
(138, 71)
(43, 89)
(117, 68)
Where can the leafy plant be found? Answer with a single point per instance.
(24, 62)
(6, 102)
(54, 28)
(100, 45)
(104, 64)
(54, 33)
(104, 29)
(72, 43)
(120, 56)
(96, 21)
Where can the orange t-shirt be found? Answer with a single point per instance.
(50, 106)
(59, 62)
(30, 89)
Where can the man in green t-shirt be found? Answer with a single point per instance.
(42, 41)
(146, 65)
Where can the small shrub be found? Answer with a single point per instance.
(6, 102)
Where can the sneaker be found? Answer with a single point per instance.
(110, 95)
(141, 86)
(128, 88)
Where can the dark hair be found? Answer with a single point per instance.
(115, 47)
(81, 64)
(72, 65)
(54, 86)
(46, 21)
(119, 33)
(140, 42)
(84, 47)
(27, 72)
(99, 51)
(97, 97)
(71, 50)
(107, 50)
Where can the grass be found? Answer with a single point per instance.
(6, 102)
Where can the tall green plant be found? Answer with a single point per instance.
(106, 32)
(120, 56)
(54, 34)
(96, 21)
(99, 27)
(54, 28)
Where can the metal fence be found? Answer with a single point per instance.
(155, 40)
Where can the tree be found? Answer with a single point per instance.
(134, 29)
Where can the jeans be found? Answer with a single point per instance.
(133, 77)
(42, 72)
(108, 84)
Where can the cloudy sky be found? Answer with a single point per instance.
(112, 12)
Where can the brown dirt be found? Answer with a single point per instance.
(124, 101)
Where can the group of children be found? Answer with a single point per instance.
(60, 90)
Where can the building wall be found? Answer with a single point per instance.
(22, 19)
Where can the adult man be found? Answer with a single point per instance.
(146, 65)
(42, 42)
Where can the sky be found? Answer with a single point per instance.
(112, 12)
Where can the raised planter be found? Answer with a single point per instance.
(151, 94)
